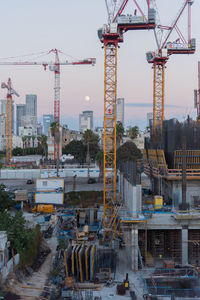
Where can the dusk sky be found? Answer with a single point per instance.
(35, 26)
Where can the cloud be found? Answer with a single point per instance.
(147, 104)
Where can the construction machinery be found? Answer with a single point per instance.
(55, 67)
(159, 59)
(10, 92)
(111, 35)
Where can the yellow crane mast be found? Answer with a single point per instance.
(9, 118)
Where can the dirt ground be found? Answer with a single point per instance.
(32, 286)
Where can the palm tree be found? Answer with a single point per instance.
(55, 132)
(133, 132)
(89, 137)
(29, 142)
(119, 133)
(24, 142)
(43, 142)
(100, 160)
(33, 140)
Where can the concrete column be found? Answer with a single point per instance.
(184, 234)
(134, 238)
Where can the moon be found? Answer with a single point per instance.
(87, 98)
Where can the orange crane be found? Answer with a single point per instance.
(159, 59)
(55, 67)
(110, 35)
(11, 91)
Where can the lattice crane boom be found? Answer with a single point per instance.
(55, 67)
(110, 35)
(159, 59)
(10, 92)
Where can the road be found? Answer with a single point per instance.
(81, 184)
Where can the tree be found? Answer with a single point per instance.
(24, 143)
(33, 140)
(128, 152)
(42, 140)
(99, 160)
(77, 149)
(89, 137)
(17, 151)
(133, 132)
(119, 133)
(5, 201)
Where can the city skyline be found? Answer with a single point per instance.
(134, 73)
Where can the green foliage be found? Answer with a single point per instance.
(42, 145)
(99, 160)
(128, 152)
(90, 137)
(17, 151)
(119, 132)
(5, 201)
(133, 132)
(63, 243)
(25, 241)
(77, 149)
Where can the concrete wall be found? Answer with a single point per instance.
(130, 195)
(6, 269)
(35, 173)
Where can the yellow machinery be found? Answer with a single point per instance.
(45, 208)
(158, 202)
(9, 119)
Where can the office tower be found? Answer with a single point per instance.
(31, 105)
(120, 110)
(47, 120)
(3, 112)
(20, 114)
(149, 119)
(86, 120)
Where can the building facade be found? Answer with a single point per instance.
(3, 112)
(31, 105)
(47, 120)
(20, 114)
(120, 110)
(86, 120)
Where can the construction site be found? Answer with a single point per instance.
(140, 238)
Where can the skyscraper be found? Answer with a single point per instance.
(120, 110)
(20, 113)
(86, 120)
(47, 120)
(3, 112)
(31, 105)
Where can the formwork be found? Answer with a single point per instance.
(161, 244)
(194, 246)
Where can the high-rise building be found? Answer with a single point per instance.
(20, 113)
(3, 111)
(31, 105)
(47, 120)
(120, 110)
(86, 120)
(149, 119)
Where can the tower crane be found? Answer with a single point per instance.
(159, 59)
(110, 35)
(10, 92)
(55, 67)
(197, 95)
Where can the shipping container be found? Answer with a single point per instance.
(49, 198)
(48, 185)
